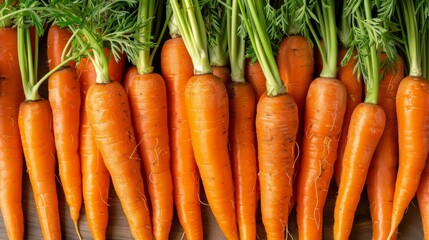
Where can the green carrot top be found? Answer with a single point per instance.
(413, 18)
(149, 12)
(215, 20)
(253, 16)
(6, 7)
(372, 33)
(236, 42)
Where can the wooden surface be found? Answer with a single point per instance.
(410, 227)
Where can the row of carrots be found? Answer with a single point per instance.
(317, 98)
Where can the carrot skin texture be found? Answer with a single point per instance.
(242, 139)
(56, 42)
(423, 199)
(109, 116)
(11, 159)
(253, 73)
(184, 170)
(223, 73)
(35, 125)
(148, 102)
(295, 60)
(129, 74)
(354, 88)
(64, 98)
(324, 113)
(381, 177)
(276, 143)
(365, 130)
(412, 104)
(95, 176)
(207, 110)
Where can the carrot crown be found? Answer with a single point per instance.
(372, 33)
(148, 11)
(413, 20)
(191, 26)
(253, 16)
(236, 42)
(215, 19)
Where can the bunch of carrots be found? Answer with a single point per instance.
(262, 107)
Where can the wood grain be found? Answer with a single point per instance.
(410, 227)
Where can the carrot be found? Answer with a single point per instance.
(368, 119)
(57, 40)
(413, 142)
(276, 128)
(207, 111)
(114, 137)
(253, 73)
(148, 102)
(37, 138)
(11, 160)
(382, 171)
(64, 98)
(242, 135)
(411, 107)
(296, 66)
(365, 129)
(177, 69)
(95, 176)
(354, 87)
(324, 112)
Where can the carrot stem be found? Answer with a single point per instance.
(236, 44)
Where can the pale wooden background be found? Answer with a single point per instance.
(118, 227)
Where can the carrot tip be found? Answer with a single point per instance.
(77, 230)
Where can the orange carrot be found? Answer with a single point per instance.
(114, 137)
(242, 132)
(368, 119)
(382, 171)
(95, 176)
(322, 129)
(11, 160)
(129, 74)
(56, 42)
(325, 106)
(276, 144)
(253, 73)
(296, 66)
(64, 98)
(242, 107)
(207, 111)
(148, 102)
(354, 88)
(35, 125)
(365, 129)
(177, 69)
(412, 101)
